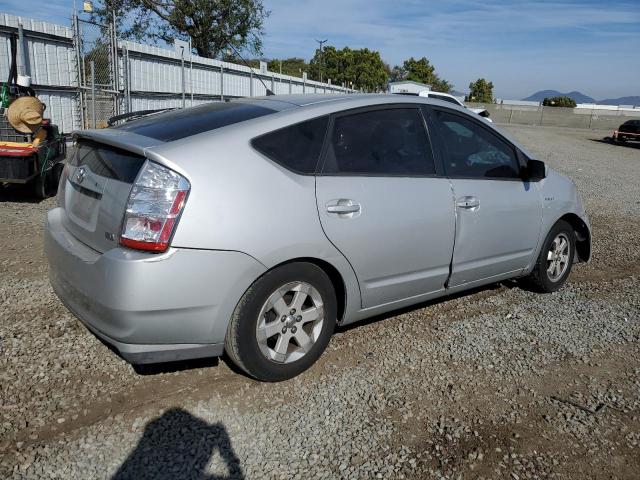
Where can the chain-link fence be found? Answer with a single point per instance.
(590, 118)
(97, 71)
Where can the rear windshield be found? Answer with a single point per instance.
(181, 123)
(106, 161)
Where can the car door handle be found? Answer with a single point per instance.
(343, 207)
(467, 202)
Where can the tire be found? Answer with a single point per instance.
(545, 279)
(54, 178)
(272, 340)
(40, 187)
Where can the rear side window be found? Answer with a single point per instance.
(380, 142)
(473, 151)
(296, 147)
(182, 123)
(106, 161)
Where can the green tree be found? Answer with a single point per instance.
(290, 66)
(421, 71)
(212, 25)
(559, 102)
(480, 91)
(362, 69)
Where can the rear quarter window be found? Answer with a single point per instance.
(296, 147)
(182, 123)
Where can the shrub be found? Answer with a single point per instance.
(559, 102)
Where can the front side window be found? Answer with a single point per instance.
(296, 147)
(380, 142)
(473, 151)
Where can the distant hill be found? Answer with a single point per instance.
(633, 100)
(582, 98)
(542, 94)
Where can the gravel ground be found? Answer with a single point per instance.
(496, 383)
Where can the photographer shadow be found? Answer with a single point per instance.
(178, 445)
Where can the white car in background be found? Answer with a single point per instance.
(483, 112)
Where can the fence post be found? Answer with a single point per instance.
(191, 71)
(221, 83)
(290, 86)
(126, 63)
(23, 58)
(79, 72)
(273, 84)
(125, 75)
(541, 114)
(184, 92)
(93, 94)
(591, 118)
(115, 70)
(510, 115)
(251, 83)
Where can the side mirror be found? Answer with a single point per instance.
(535, 171)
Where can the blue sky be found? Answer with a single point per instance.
(586, 45)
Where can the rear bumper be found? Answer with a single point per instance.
(149, 307)
(618, 135)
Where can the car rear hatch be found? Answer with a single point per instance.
(101, 169)
(104, 164)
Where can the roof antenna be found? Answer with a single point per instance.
(269, 92)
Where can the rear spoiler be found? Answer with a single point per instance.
(132, 142)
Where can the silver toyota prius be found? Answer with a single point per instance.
(254, 227)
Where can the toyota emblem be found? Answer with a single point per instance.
(80, 174)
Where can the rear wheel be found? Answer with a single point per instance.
(555, 260)
(283, 323)
(54, 177)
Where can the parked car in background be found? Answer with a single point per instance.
(254, 227)
(445, 97)
(628, 131)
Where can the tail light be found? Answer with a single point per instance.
(155, 203)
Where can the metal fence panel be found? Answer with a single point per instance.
(148, 77)
(63, 108)
(50, 59)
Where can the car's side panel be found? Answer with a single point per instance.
(250, 204)
(401, 240)
(498, 236)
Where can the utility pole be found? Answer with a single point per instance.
(321, 43)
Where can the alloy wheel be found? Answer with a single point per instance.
(558, 257)
(290, 322)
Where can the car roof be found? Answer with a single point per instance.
(341, 101)
(305, 99)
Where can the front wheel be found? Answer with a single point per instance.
(283, 322)
(555, 260)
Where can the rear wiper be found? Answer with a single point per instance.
(127, 117)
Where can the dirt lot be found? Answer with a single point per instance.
(497, 383)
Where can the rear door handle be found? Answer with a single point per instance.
(343, 206)
(468, 202)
